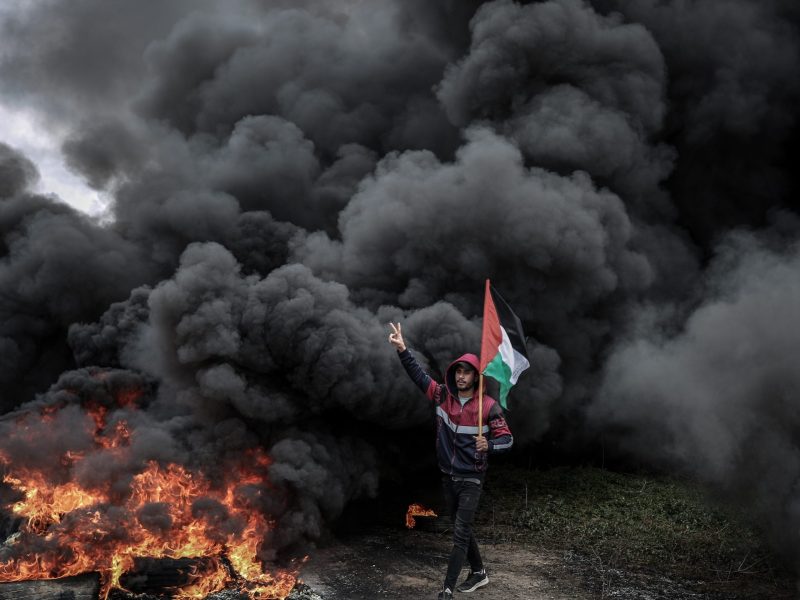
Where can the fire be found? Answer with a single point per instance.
(417, 510)
(164, 511)
(45, 504)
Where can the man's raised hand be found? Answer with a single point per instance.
(396, 337)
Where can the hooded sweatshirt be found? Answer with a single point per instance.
(457, 424)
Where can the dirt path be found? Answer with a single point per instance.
(394, 563)
(402, 565)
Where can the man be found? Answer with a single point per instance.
(461, 450)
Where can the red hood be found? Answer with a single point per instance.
(450, 374)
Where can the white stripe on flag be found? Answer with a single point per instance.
(515, 361)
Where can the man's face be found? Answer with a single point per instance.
(465, 378)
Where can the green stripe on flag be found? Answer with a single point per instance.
(497, 369)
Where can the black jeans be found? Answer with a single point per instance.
(462, 501)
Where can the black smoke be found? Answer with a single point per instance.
(287, 177)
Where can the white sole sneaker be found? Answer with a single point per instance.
(475, 586)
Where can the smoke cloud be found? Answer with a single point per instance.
(716, 399)
(289, 177)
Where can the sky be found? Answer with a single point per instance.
(25, 131)
(270, 184)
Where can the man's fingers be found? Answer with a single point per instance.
(397, 330)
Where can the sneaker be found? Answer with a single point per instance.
(473, 581)
(445, 594)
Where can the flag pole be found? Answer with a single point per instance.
(480, 405)
(480, 376)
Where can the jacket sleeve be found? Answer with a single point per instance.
(424, 381)
(500, 438)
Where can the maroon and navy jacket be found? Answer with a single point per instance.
(457, 426)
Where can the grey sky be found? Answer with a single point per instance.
(25, 130)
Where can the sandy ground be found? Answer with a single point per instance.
(409, 564)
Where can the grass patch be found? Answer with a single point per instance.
(625, 521)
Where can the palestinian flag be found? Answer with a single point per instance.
(503, 353)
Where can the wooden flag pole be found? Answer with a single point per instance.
(484, 351)
(480, 405)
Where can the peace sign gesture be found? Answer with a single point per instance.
(396, 337)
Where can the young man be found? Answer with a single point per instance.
(462, 450)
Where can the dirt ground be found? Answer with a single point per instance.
(409, 564)
(396, 563)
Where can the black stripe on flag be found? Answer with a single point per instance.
(510, 322)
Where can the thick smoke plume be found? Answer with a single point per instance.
(287, 177)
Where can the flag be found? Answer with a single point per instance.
(503, 353)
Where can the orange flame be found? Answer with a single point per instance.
(76, 529)
(417, 510)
